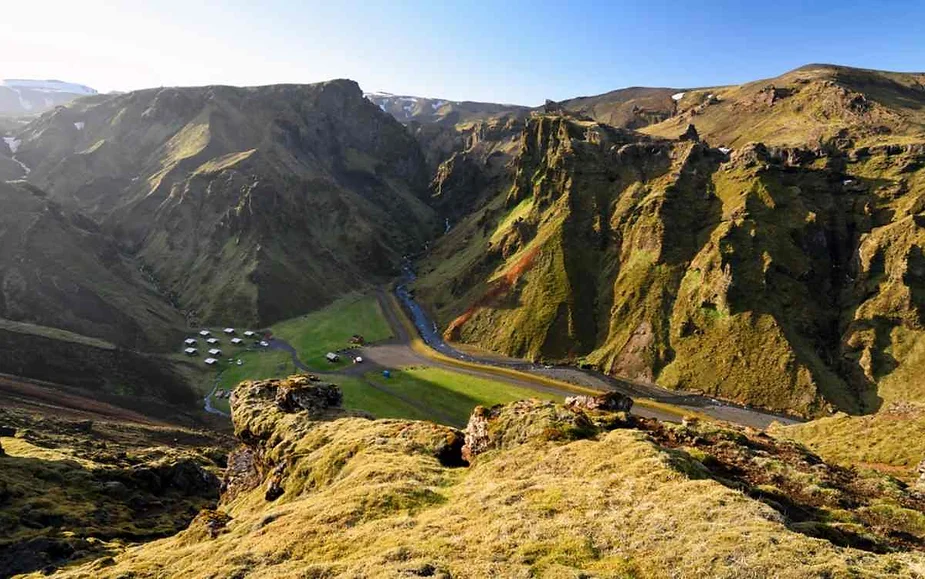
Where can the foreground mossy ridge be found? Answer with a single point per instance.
(73, 490)
(549, 491)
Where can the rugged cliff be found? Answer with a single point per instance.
(785, 277)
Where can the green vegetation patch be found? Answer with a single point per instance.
(891, 441)
(330, 329)
(438, 395)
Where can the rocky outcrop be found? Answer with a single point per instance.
(509, 425)
(690, 134)
(343, 495)
(299, 393)
(273, 417)
(73, 490)
(609, 402)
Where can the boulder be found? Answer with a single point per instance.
(551, 106)
(690, 134)
(184, 475)
(300, 393)
(274, 487)
(208, 524)
(510, 425)
(607, 402)
(114, 488)
(921, 471)
(242, 473)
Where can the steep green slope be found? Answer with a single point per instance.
(785, 278)
(247, 205)
(58, 269)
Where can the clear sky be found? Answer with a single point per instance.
(514, 52)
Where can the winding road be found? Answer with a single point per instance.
(398, 352)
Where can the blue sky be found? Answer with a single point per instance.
(516, 52)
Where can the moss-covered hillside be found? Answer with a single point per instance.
(245, 205)
(77, 489)
(812, 105)
(788, 278)
(58, 269)
(891, 441)
(548, 491)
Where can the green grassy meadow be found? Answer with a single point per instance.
(431, 394)
(420, 393)
(314, 335)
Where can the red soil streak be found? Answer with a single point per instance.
(496, 291)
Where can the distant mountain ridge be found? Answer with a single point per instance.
(31, 97)
(407, 109)
(248, 205)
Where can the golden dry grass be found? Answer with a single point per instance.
(368, 498)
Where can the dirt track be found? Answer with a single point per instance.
(62, 401)
(399, 353)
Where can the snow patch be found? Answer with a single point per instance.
(437, 104)
(49, 86)
(724, 150)
(79, 125)
(25, 104)
(23, 165)
(12, 143)
(677, 96)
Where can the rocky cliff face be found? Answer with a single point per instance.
(245, 205)
(545, 490)
(785, 278)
